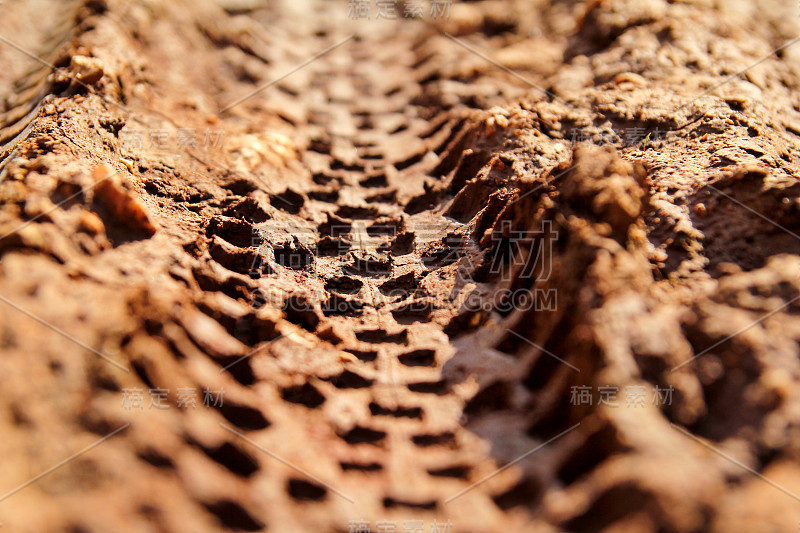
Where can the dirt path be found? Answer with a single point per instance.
(275, 268)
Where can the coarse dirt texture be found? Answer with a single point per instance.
(191, 203)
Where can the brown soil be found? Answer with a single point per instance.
(195, 198)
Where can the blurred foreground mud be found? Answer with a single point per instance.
(519, 266)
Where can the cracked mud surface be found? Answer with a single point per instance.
(333, 250)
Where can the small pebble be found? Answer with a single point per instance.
(347, 357)
(91, 224)
(88, 70)
(632, 78)
(126, 207)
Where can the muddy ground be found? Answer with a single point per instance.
(317, 266)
